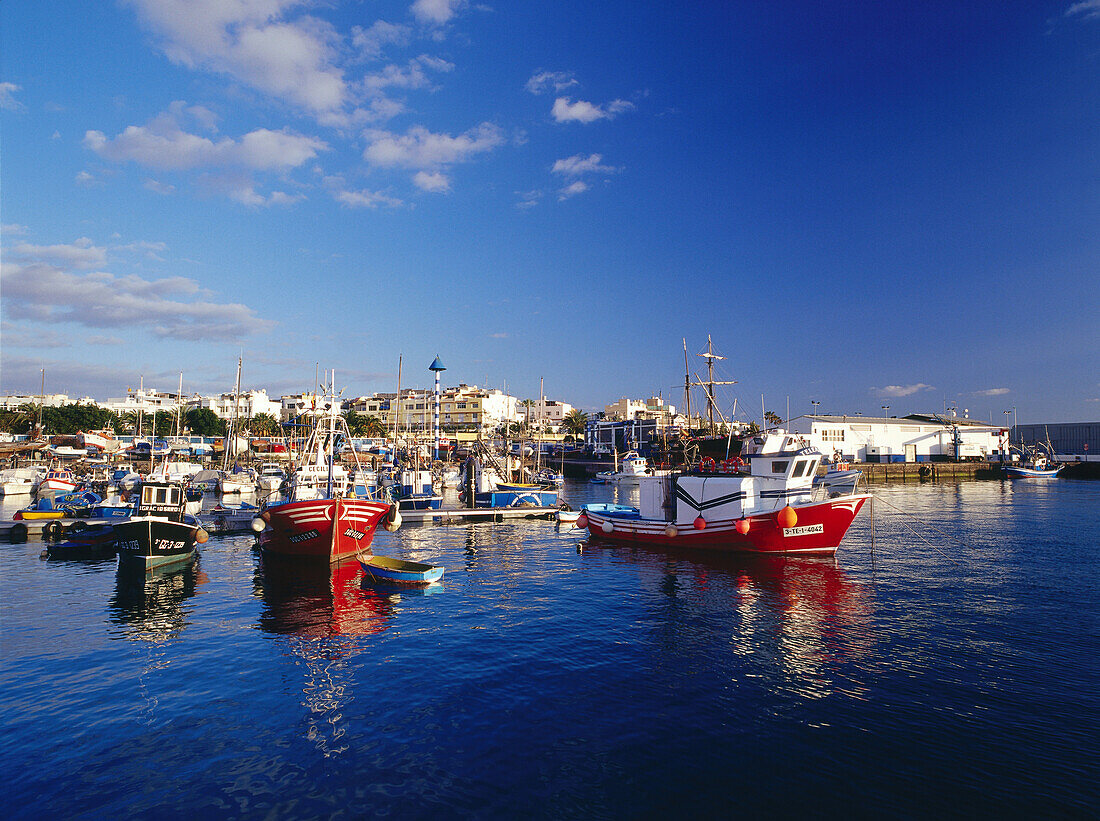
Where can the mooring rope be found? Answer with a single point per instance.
(943, 533)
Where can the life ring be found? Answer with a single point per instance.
(707, 465)
(52, 530)
(728, 466)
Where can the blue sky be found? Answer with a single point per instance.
(864, 204)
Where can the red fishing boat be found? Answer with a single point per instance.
(763, 503)
(325, 515)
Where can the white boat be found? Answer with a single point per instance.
(271, 477)
(632, 468)
(173, 472)
(19, 481)
(237, 481)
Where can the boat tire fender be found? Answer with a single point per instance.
(18, 532)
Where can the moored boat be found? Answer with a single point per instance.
(59, 480)
(318, 521)
(399, 571)
(160, 532)
(767, 507)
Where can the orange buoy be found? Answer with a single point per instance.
(582, 521)
(787, 517)
(742, 526)
(699, 523)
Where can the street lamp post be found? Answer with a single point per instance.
(1009, 449)
(815, 403)
(886, 411)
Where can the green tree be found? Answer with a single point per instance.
(20, 420)
(575, 422)
(356, 423)
(374, 427)
(204, 422)
(264, 424)
(773, 419)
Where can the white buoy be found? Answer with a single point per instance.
(607, 527)
(258, 524)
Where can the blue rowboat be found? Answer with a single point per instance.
(399, 571)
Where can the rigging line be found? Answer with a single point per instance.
(943, 533)
(919, 536)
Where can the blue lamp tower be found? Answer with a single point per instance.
(436, 366)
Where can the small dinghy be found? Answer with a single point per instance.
(399, 571)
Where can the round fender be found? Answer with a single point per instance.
(78, 527)
(18, 532)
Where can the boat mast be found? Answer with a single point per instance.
(542, 413)
(687, 384)
(179, 406)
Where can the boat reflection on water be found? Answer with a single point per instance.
(322, 612)
(318, 599)
(801, 622)
(150, 602)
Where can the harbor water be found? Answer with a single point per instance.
(952, 672)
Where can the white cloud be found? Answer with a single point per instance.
(84, 178)
(9, 229)
(528, 199)
(436, 12)
(164, 145)
(421, 149)
(545, 80)
(581, 111)
(81, 253)
(572, 190)
(174, 307)
(7, 97)
(992, 392)
(358, 199)
(161, 188)
(250, 41)
(498, 336)
(1088, 9)
(902, 390)
(371, 41)
(576, 165)
(410, 76)
(433, 181)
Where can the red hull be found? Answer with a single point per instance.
(819, 529)
(330, 529)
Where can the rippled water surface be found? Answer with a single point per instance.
(952, 672)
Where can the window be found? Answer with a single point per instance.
(799, 468)
(162, 495)
(779, 467)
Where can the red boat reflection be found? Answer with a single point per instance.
(309, 599)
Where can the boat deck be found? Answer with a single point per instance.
(476, 514)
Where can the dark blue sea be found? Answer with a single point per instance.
(953, 672)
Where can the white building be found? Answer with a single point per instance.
(50, 400)
(653, 408)
(548, 413)
(245, 405)
(463, 407)
(143, 400)
(915, 438)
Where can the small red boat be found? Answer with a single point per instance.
(766, 504)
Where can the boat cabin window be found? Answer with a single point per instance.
(162, 495)
(799, 468)
(779, 467)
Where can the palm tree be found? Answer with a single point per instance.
(575, 421)
(264, 424)
(773, 419)
(374, 427)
